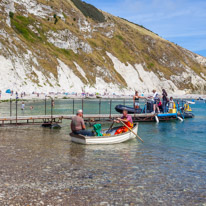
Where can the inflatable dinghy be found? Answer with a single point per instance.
(119, 108)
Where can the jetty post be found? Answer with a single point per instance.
(73, 105)
(52, 104)
(16, 111)
(99, 108)
(82, 105)
(110, 109)
(45, 105)
(10, 109)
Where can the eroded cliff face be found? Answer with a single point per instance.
(50, 45)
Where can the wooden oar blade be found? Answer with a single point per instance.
(131, 130)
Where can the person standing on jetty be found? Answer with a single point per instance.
(78, 126)
(136, 98)
(172, 104)
(165, 100)
(156, 101)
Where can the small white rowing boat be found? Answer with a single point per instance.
(113, 139)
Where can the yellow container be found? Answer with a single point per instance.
(187, 108)
(172, 110)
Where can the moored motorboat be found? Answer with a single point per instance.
(186, 115)
(107, 139)
(186, 110)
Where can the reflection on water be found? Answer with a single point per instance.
(39, 165)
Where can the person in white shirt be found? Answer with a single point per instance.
(156, 101)
(22, 106)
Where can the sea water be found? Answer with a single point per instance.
(43, 165)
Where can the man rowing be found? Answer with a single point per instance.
(127, 119)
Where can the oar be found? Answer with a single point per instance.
(130, 130)
(110, 127)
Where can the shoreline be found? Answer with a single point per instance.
(27, 97)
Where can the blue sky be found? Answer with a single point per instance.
(179, 21)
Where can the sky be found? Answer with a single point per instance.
(180, 21)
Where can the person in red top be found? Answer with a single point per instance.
(127, 119)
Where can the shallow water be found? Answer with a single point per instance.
(39, 165)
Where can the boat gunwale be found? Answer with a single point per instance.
(103, 137)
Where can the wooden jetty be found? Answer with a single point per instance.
(50, 119)
(37, 119)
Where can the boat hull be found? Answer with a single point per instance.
(114, 139)
(188, 115)
(119, 108)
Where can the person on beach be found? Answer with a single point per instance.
(164, 100)
(78, 126)
(136, 98)
(22, 106)
(156, 101)
(127, 119)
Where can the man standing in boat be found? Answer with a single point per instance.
(78, 126)
(127, 119)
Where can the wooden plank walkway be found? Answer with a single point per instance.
(35, 117)
(13, 118)
(39, 119)
(91, 118)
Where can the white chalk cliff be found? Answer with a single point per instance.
(56, 46)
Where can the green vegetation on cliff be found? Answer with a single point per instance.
(130, 43)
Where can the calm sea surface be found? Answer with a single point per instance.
(40, 166)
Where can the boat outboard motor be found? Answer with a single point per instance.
(149, 106)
